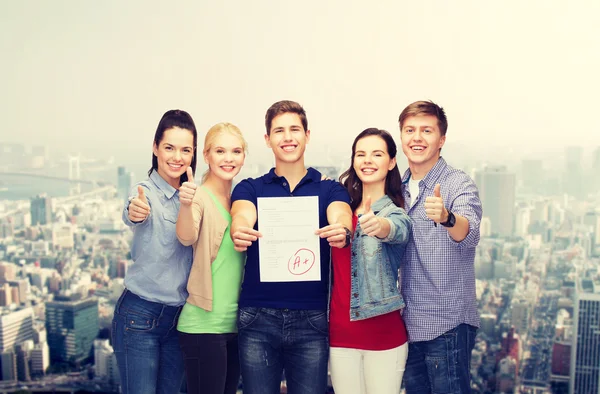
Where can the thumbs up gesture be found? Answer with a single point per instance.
(434, 206)
(187, 190)
(370, 224)
(138, 209)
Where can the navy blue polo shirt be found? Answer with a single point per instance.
(291, 295)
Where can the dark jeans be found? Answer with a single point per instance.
(274, 340)
(441, 365)
(145, 340)
(211, 363)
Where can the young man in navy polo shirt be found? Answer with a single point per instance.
(283, 325)
(438, 274)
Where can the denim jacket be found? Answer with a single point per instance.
(375, 263)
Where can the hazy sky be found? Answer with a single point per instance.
(95, 76)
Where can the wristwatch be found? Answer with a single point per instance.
(348, 237)
(451, 220)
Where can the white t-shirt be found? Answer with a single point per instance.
(413, 188)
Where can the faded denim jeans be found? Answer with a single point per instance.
(275, 340)
(441, 365)
(146, 344)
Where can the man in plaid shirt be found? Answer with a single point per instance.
(438, 274)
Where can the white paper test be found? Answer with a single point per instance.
(289, 249)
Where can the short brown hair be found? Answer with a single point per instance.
(282, 107)
(425, 108)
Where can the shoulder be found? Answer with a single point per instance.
(335, 190)
(455, 179)
(202, 197)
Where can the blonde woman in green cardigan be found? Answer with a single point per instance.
(207, 325)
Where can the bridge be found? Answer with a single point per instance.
(51, 177)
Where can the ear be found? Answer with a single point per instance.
(307, 136)
(154, 149)
(392, 164)
(442, 141)
(268, 140)
(205, 155)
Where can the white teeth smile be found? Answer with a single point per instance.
(417, 148)
(176, 166)
(368, 171)
(288, 148)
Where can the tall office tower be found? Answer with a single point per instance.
(124, 182)
(573, 175)
(15, 327)
(22, 287)
(585, 352)
(8, 359)
(520, 315)
(40, 358)
(105, 361)
(41, 210)
(72, 326)
(23, 351)
(497, 192)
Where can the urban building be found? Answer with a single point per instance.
(585, 352)
(15, 327)
(41, 210)
(497, 188)
(72, 326)
(124, 182)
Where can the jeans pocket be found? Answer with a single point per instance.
(318, 321)
(439, 375)
(247, 316)
(138, 322)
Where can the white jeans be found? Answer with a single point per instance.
(355, 371)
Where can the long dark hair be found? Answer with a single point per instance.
(182, 120)
(393, 180)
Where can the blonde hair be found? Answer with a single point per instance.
(216, 131)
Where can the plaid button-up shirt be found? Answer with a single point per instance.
(438, 273)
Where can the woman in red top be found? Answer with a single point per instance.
(368, 340)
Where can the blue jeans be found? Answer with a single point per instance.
(146, 344)
(441, 365)
(274, 340)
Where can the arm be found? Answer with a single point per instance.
(339, 217)
(191, 209)
(399, 227)
(243, 219)
(466, 208)
(137, 208)
(188, 221)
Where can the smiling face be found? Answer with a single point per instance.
(372, 161)
(225, 157)
(287, 138)
(421, 142)
(174, 154)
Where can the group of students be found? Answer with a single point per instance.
(396, 298)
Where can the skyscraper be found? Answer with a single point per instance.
(41, 210)
(585, 352)
(124, 182)
(497, 192)
(72, 326)
(15, 327)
